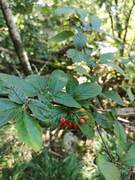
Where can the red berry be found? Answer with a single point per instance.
(70, 124)
(74, 126)
(63, 123)
(81, 121)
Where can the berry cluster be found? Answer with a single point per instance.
(69, 124)
(64, 124)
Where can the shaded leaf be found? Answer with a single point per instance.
(108, 169)
(120, 135)
(104, 121)
(79, 40)
(40, 83)
(75, 55)
(17, 95)
(58, 81)
(87, 90)
(80, 70)
(39, 110)
(106, 57)
(66, 100)
(114, 96)
(8, 111)
(71, 84)
(130, 156)
(11, 81)
(29, 131)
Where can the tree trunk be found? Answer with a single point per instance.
(15, 36)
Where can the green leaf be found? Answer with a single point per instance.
(121, 137)
(39, 110)
(114, 96)
(130, 156)
(17, 95)
(58, 81)
(87, 90)
(29, 131)
(66, 100)
(62, 36)
(130, 94)
(8, 111)
(3, 89)
(79, 40)
(108, 169)
(75, 55)
(11, 81)
(104, 121)
(6, 104)
(106, 57)
(87, 128)
(80, 70)
(96, 23)
(40, 83)
(71, 84)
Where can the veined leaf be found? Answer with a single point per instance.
(8, 111)
(79, 40)
(87, 90)
(120, 135)
(71, 84)
(75, 55)
(104, 121)
(108, 169)
(40, 83)
(29, 131)
(58, 80)
(39, 110)
(66, 100)
(17, 95)
(130, 156)
(114, 96)
(11, 81)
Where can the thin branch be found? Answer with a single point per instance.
(111, 20)
(104, 143)
(127, 25)
(8, 51)
(15, 36)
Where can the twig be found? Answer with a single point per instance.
(105, 146)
